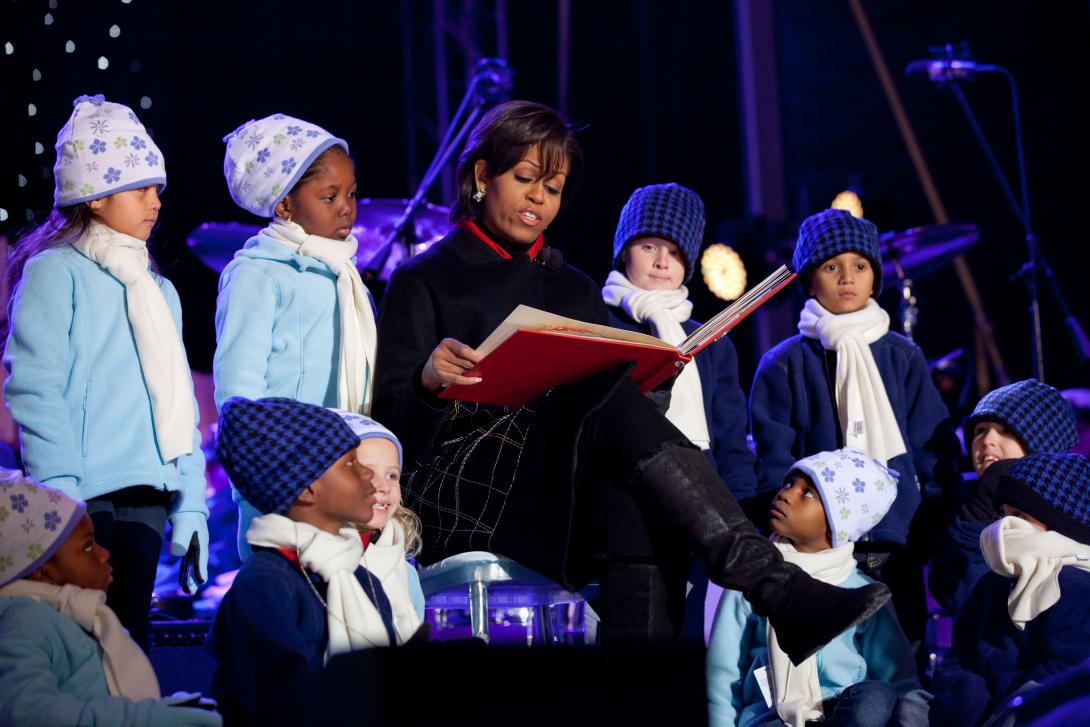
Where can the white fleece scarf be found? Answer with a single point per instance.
(796, 690)
(665, 311)
(128, 671)
(158, 345)
(1015, 549)
(354, 622)
(385, 558)
(359, 337)
(866, 416)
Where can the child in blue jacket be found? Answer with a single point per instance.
(65, 659)
(865, 675)
(1010, 422)
(99, 382)
(1029, 618)
(293, 316)
(655, 250)
(309, 591)
(848, 380)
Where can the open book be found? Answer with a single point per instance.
(532, 351)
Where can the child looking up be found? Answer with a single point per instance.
(99, 382)
(64, 657)
(863, 676)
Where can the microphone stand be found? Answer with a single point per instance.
(1037, 262)
(491, 81)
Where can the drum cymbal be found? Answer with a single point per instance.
(923, 250)
(215, 243)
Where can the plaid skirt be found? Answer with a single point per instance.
(506, 480)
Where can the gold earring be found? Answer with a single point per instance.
(478, 196)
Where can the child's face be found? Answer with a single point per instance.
(797, 514)
(80, 561)
(652, 263)
(380, 456)
(992, 442)
(843, 284)
(133, 212)
(519, 204)
(343, 495)
(1009, 511)
(325, 204)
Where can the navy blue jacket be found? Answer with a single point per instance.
(990, 659)
(724, 406)
(958, 566)
(793, 415)
(269, 641)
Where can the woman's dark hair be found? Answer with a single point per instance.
(503, 136)
(64, 225)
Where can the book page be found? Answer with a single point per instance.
(726, 319)
(526, 317)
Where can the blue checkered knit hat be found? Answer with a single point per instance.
(1054, 488)
(669, 211)
(272, 449)
(830, 233)
(1035, 413)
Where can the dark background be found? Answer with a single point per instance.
(654, 86)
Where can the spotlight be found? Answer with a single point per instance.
(848, 200)
(724, 272)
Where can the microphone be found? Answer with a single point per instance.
(550, 258)
(943, 70)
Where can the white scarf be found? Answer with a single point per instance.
(796, 690)
(359, 337)
(128, 671)
(354, 621)
(866, 417)
(1015, 549)
(665, 311)
(158, 345)
(386, 559)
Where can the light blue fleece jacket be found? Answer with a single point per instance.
(277, 326)
(76, 388)
(875, 649)
(51, 674)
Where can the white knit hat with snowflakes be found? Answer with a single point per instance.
(267, 157)
(103, 149)
(35, 520)
(856, 490)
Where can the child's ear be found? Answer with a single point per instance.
(95, 204)
(307, 497)
(281, 210)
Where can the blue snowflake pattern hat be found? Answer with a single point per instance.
(830, 233)
(274, 448)
(668, 211)
(265, 158)
(1054, 488)
(35, 520)
(367, 428)
(1037, 414)
(856, 490)
(104, 149)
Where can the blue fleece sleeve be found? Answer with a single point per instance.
(770, 411)
(733, 459)
(728, 661)
(31, 695)
(245, 311)
(190, 466)
(928, 439)
(957, 566)
(38, 360)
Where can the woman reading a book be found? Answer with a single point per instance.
(589, 480)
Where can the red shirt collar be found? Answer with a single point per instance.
(291, 555)
(472, 228)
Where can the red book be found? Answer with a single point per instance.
(532, 351)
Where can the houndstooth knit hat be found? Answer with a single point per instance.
(266, 158)
(1035, 413)
(272, 449)
(101, 150)
(1054, 488)
(35, 520)
(856, 490)
(830, 233)
(669, 211)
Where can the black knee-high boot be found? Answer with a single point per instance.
(636, 603)
(682, 488)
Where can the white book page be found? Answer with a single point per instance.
(526, 317)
